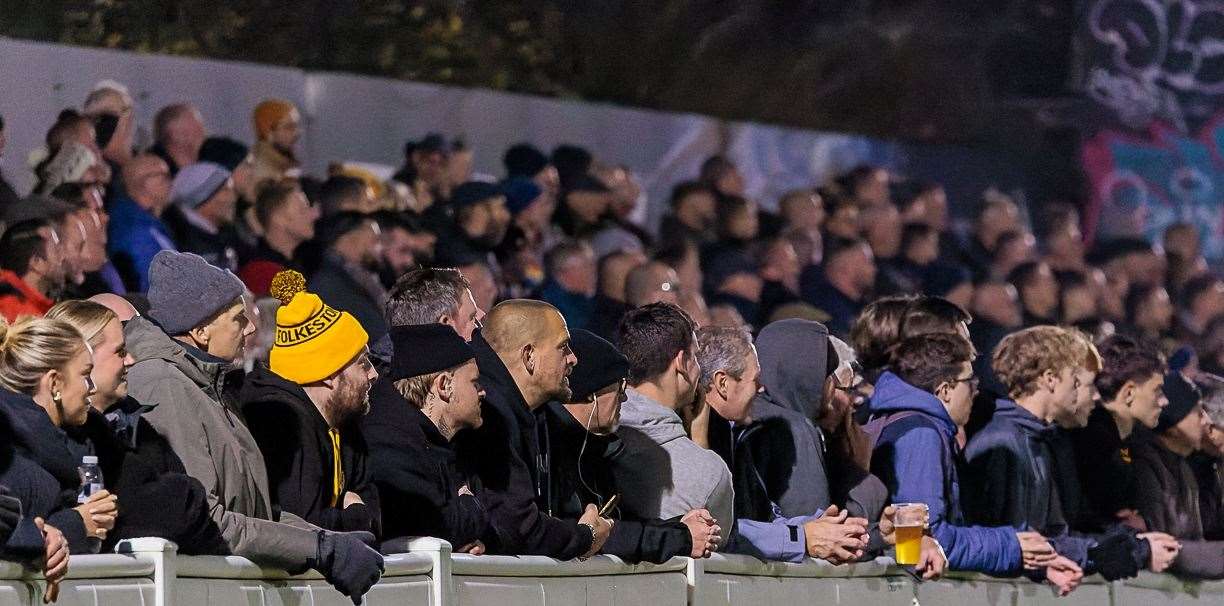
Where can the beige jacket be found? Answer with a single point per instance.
(271, 164)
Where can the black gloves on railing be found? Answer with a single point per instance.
(348, 562)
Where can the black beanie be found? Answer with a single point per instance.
(224, 151)
(1183, 397)
(427, 348)
(599, 364)
(524, 160)
(104, 128)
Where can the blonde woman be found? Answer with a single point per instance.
(44, 388)
(139, 464)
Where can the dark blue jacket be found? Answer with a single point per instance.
(915, 457)
(1010, 480)
(133, 238)
(842, 310)
(43, 470)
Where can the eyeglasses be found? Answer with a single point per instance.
(972, 380)
(848, 377)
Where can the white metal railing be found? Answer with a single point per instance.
(148, 572)
(111, 579)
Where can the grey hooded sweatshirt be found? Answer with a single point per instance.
(662, 473)
(781, 450)
(185, 388)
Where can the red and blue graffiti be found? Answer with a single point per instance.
(1141, 185)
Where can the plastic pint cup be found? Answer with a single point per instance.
(910, 522)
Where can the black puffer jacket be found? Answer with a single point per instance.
(584, 476)
(47, 488)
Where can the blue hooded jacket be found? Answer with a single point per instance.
(917, 464)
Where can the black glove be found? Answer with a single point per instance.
(10, 514)
(348, 563)
(1114, 555)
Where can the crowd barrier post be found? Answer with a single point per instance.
(442, 591)
(163, 555)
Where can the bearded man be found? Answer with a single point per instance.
(304, 412)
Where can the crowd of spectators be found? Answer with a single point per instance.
(306, 370)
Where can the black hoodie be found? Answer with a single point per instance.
(297, 449)
(506, 454)
(414, 468)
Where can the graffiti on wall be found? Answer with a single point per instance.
(1157, 68)
(1143, 184)
(1156, 60)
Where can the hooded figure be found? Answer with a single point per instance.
(780, 457)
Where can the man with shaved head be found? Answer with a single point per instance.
(524, 355)
(123, 308)
(653, 282)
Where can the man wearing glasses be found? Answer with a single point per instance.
(917, 407)
(583, 446)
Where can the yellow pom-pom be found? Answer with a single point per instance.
(286, 284)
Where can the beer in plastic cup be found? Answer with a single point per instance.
(910, 523)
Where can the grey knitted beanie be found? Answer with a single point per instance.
(185, 291)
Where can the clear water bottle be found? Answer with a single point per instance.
(91, 478)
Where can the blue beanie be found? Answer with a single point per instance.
(520, 193)
(196, 183)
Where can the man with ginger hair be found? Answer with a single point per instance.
(277, 130)
(525, 359)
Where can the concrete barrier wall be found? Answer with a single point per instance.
(540, 581)
(96, 580)
(148, 572)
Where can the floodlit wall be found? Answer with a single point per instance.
(367, 119)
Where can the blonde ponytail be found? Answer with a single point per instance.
(31, 347)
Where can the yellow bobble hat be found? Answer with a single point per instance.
(313, 341)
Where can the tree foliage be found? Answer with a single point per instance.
(924, 69)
